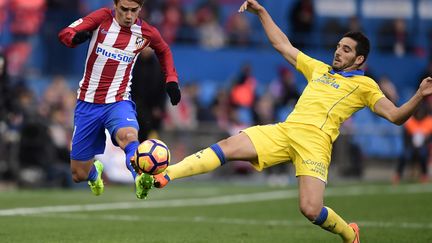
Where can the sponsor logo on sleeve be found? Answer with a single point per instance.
(76, 23)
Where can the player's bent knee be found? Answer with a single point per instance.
(228, 148)
(310, 211)
(224, 145)
(126, 135)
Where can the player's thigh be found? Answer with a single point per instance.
(89, 133)
(271, 145)
(121, 122)
(238, 147)
(311, 150)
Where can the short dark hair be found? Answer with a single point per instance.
(140, 2)
(363, 44)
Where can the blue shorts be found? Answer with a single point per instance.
(90, 122)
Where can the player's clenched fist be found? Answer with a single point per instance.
(251, 6)
(426, 86)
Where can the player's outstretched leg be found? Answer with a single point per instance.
(97, 186)
(356, 229)
(143, 183)
(201, 162)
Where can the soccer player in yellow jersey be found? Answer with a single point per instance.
(332, 95)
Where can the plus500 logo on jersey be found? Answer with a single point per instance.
(114, 53)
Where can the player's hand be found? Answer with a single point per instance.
(251, 6)
(426, 87)
(173, 91)
(81, 36)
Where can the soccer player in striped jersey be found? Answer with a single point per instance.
(333, 93)
(116, 38)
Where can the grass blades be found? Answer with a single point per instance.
(212, 212)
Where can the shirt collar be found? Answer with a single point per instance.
(348, 74)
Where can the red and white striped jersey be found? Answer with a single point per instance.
(112, 53)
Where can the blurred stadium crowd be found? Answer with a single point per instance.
(241, 83)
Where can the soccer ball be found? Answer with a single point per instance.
(152, 156)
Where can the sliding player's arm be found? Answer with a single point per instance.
(399, 115)
(276, 37)
(82, 29)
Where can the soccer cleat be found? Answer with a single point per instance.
(160, 180)
(143, 183)
(356, 229)
(97, 186)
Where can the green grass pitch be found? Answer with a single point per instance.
(212, 212)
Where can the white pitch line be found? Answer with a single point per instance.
(194, 219)
(232, 221)
(221, 200)
(217, 200)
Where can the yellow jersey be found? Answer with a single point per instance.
(330, 98)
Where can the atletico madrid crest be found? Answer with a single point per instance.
(139, 43)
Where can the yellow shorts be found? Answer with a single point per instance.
(306, 146)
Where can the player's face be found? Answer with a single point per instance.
(345, 57)
(126, 12)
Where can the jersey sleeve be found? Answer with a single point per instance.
(164, 54)
(372, 94)
(306, 65)
(87, 23)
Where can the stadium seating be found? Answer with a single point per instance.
(215, 69)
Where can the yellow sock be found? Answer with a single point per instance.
(201, 162)
(335, 224)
